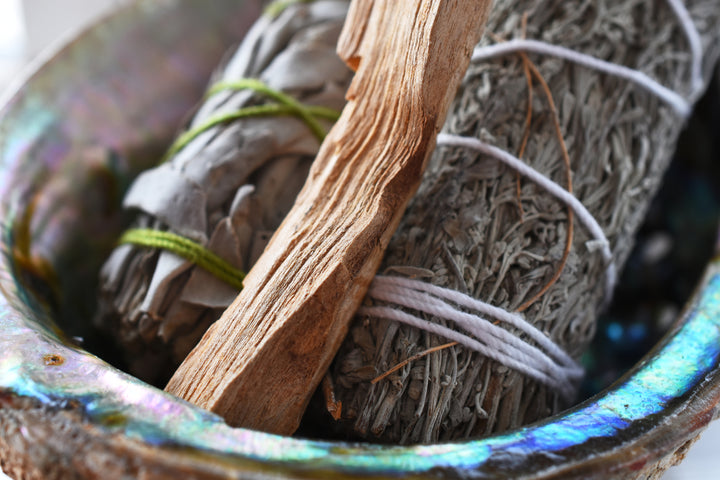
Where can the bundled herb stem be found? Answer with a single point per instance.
(207, 211)
(469, 228)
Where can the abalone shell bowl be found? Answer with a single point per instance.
(104, 106)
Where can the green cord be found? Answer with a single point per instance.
(274, 9)
(259, 110)
(259, 87)
(306, 113)
(187, 249)
(286, 106)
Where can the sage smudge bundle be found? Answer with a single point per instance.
(474, 229)
(224, 186)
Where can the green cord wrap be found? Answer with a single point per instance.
(193, 251)
(308, 114)
(187, 249)
(274, 9)
(286, 105)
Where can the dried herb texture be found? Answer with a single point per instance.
(464, 229)
(227, 189)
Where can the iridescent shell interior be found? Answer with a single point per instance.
(104, 107)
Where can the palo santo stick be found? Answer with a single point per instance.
(259, 364)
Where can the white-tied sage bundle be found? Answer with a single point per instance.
(207, 211)
(493, 282)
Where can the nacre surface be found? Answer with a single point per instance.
(105, 107)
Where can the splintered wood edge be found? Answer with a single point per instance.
(259, 364)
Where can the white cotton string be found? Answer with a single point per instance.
(491, 350)
(513, 319)
(583, 215)
(501, 339)
(678, 103)
(553, 366)
(694, 41)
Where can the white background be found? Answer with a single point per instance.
(29, 26)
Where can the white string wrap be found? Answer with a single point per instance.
(583, 215)
(695, 43)
(544, 361)
(678, 103)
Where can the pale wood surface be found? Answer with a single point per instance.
(259, 364)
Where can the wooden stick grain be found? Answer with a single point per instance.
(259, 364)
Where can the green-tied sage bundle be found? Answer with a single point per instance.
(488, 235)
(207, 211)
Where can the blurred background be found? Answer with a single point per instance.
(31, 29)
(27, 27)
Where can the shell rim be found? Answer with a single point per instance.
(677, 381)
